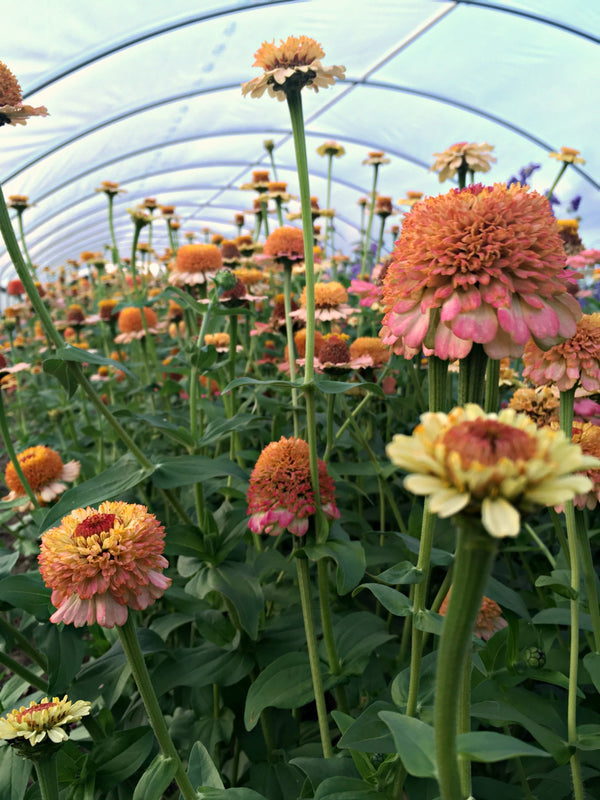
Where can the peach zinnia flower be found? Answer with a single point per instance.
(331, 302)
(291, 65)
(45, 473)
(131, 325)
(43, 719)
(100, 562)
(570, 363)
(195, 263)
(281, 496)
(476, 157)
(12, 110)
(482, 264)
(370, 346)
(489, 619)
(541, 404)
(489, 465)
(587, 436)
(285, 244)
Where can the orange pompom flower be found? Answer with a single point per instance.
(195, 263)
(12, 110)
(281, 496)
(100, 562)
(45, 473)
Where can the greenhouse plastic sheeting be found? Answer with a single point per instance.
(147, 93)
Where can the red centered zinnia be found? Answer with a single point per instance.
(100, 562)
(482, 264)
(281, 495)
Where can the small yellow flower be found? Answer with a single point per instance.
(489, 465)
(41, 720)
(568, 155)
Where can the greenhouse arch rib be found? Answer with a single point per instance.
(142, 37)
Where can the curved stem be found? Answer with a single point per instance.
(143, 682)
(313, 655)
(561, 172)
(475, 554)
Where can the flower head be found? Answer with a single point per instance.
(489, 619)
(12, 110)
(568, 156)
(15, 287)
(100, 562)
(331, 148)
(476, 158)
(195, 263)
(541, 404)
(285, 243)
(587, 436)
(370, 346)
(131, 325)
(572, 362)
(482, 264)
(281, 496)
(493, 465)
(331, 302)
(290, 66)
(47, 718)
(110, 188)
(44, 471)
(376, 158)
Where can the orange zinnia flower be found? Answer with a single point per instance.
(12, 110)
(44, 472)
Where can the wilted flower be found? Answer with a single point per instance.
(12, 110)
(482, 264)
(476, 158)
(541, 404)
(290, 66)
(100, 562)
(490, 465)
(281, 496)
(572, 362)
(44, 719)
(489, 619)
(45, 473)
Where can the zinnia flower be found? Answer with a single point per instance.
(489, 465)
(568, 156)
(110, 188)
(489, 619)
(45, 473)
(331, 148)
(476, 157)
(12, 110)
(44, 719)
(289, 66)
(370, 346)
(482, 264)
(131, 325)
(541, 404)
(376, 158)
(572, 362)
(195, 263)
(281, 496)
(331, 302)
(100, 562)
(285, 243)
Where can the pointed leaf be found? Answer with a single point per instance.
(170, 473)
(391, 599)
(201, 768)
(414, 742)
(487, 746)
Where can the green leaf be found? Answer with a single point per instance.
(391, 599)
(591, 662)
(285, 683)
(349, 557)
(63, 373)
(338, 387)
(274, 384)
(70, 353)
(368, 733)
(64, 649)
(125, 474)
(208, 793)
(357, 636)
(216, 430)
(414, 742)
(201, 666)
(170, 473)
(318, 770)
(559, 581)
(14, 774)
(201, 768)
(342, 788)
(506, 597)
(562, 616)
(428, 621)
(238, 584)
(156, 778)
(487, 746)
(120, 755)
(26, 591)
(404, 572)
(588, 737)
(7, 562)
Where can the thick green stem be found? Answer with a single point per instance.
(47, 776)
(289, 333)
(313, 655)
(24, 244)
(367, 242)
(492, 386)
(464, 724)
(475, 554)
(380, 240)
(143, 682)
(471, 376)
(332, 657)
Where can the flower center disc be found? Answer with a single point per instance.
(29, 712)
(95, 524)
(487, 441)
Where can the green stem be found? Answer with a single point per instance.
(23, 643)
(380, 241)
(475, 554)
(367, 242)
(10, 450)
(561, 172)
(289, 334)
(329, 437)
(23, 243)
(492, 386)
(567, 399)
(328, 223)
(471, 376)
(143, 682)
(47, 776)
(464, 724)
(313, 655)
(332, 657)
(590, 578)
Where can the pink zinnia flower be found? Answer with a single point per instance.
(587, 436)
(574, 361)
(486, 265)
(281, 494)
(100, 562)
(370, 293)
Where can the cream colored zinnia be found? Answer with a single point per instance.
(45, 719)
(490, 465)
